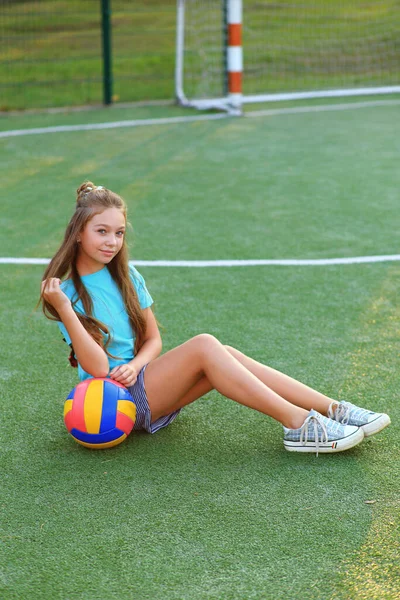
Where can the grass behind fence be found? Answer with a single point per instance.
(51, 52)
(213, 506)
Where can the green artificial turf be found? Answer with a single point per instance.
(212, 506)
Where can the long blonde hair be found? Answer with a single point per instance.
(90, 201)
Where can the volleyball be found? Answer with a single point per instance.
(99, 413)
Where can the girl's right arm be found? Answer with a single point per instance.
(89, 354)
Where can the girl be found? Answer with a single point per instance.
(103, 310)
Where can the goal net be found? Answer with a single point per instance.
(291, 49)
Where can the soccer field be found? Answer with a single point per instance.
(212, 506)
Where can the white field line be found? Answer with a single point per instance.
(323, 108)
(231, 263)
(190, 119)
(111, 125)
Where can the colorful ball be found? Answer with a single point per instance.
(99, 413)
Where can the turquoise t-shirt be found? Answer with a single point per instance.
(109, 308)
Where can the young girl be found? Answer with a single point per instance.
(103, 310)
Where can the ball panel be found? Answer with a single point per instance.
(110, 402)
(93, 406)
(124, 423)
(67, 406)
(102, 446)
(97, 438)
(78, 405)
(125, 394)
(128, 408)
(68, 419)
(116, 383)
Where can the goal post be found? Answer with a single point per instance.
(212, 47)
(296, 49)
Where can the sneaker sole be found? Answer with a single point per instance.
(376, 426)
(328, 447)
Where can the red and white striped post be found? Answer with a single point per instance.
(234, 53)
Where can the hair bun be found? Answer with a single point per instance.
(85, 188)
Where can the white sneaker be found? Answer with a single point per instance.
(350, 414)
(321, 434)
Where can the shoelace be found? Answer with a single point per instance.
(341, 413)
(316, 421)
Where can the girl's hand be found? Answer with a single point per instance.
(125, 374)
(53, 294)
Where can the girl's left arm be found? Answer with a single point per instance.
(151, 348)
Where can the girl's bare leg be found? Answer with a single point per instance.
(288, 388)
(203, 363)
(295, 392)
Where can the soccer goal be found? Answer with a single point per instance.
(293, 49)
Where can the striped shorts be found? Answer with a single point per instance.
(143, 414)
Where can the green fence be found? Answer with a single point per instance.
(51, 52)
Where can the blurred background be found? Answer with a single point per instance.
(72, 52)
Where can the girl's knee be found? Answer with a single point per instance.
(205, 343)
(236, 353)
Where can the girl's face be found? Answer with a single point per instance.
(100, 240)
